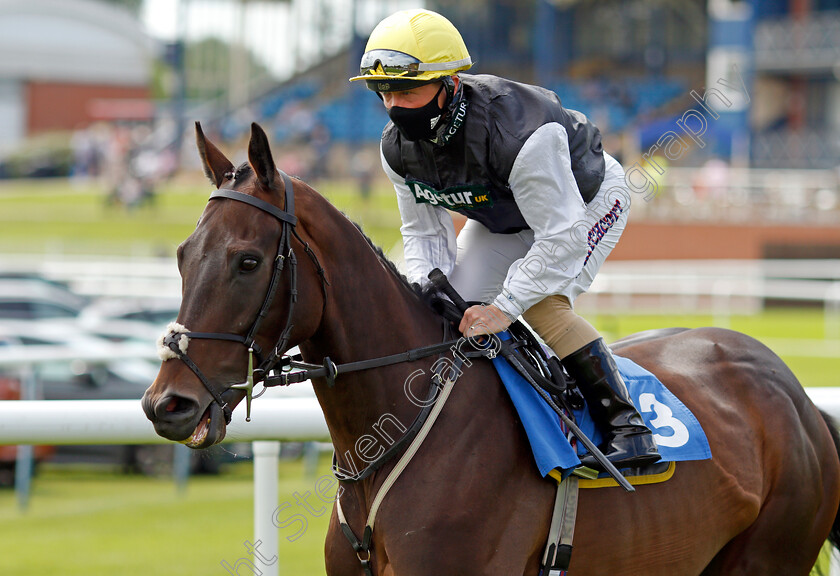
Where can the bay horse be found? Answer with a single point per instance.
(471, 502)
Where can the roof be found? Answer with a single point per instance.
(79, 41)
(32, 290)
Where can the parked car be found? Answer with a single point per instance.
(123, 319)
(10, 390)
(80, 380)
(32, 298)
(77, 379)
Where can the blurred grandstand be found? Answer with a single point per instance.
(757, 78)
(760, 78)
(632, 67)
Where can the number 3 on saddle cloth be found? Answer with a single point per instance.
(677, 432)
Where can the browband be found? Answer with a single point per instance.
(282, 215)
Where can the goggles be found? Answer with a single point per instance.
(400, 64)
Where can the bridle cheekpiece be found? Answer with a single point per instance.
(174, 343)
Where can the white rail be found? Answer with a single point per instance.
(70, 422)
(23, 356)
(61, 422)
(104, 276)
(123, 422)
(73, 422)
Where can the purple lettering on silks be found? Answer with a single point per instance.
(601, 227)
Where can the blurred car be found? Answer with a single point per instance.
(10, 390)
(77, 379)
(125, 379)
(123, 319)
(31, 298)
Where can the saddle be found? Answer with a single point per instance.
(543, 367)
(536, 362)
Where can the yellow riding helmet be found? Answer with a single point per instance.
(410, 48)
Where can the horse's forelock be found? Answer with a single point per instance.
(243, 172)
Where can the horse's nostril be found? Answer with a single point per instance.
(175, 406)
(174, 416)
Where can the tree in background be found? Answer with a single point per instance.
(133, 6)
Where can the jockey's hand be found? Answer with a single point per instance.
(483, 319)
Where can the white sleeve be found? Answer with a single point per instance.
(427, 231)
(546, 193)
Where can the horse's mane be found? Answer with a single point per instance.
(426, 293)
(413, 286)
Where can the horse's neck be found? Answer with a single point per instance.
(370, 313)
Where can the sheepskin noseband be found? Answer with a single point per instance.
(173, 331)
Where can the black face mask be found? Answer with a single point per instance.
(417, 123)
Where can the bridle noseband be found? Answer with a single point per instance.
(288, 221)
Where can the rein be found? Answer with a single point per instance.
(330, 370)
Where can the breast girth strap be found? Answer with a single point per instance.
(362, 547)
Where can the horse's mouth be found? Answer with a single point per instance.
(210, 429)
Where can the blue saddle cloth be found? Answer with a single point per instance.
(677, 432)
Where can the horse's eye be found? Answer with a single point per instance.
(248, 264)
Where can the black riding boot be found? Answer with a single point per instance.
(628, 442)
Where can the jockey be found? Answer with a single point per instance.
(544, 203)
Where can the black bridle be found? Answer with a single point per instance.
(273, 370)
(285, 252)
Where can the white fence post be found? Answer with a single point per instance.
(266, 533)
(68, 422)
(25, 456)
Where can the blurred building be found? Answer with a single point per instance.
(762, 73)
(796, 112)
(632, 65)
(67, 63)
(622, 63)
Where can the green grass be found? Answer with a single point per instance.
(797, 335)
(90, 522)
(59, 216)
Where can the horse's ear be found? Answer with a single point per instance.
(259, 155)
(216, 164)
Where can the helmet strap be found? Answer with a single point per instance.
(453, 99)
(449, 86)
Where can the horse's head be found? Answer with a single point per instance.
(242, 270)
